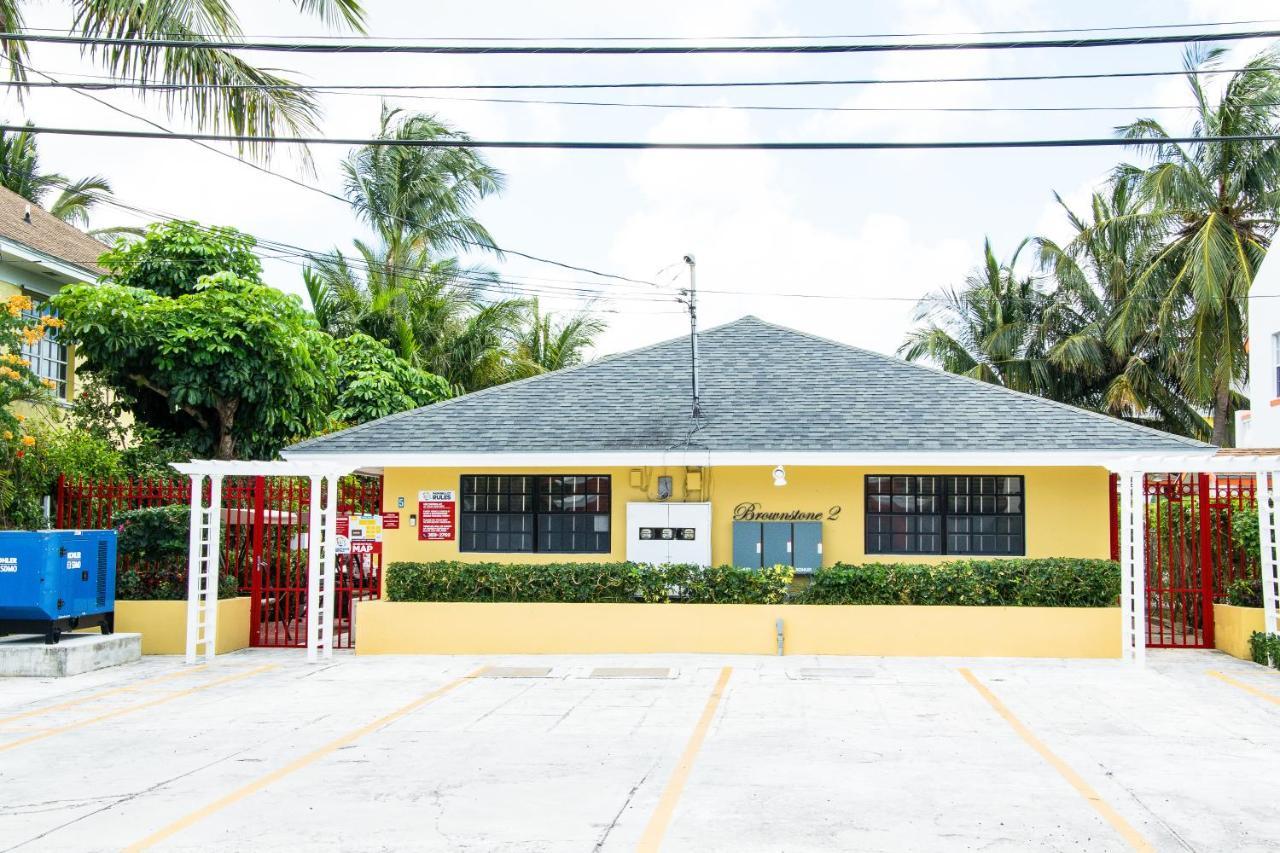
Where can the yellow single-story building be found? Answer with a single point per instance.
(780, 448)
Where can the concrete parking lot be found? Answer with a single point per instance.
(261, 751)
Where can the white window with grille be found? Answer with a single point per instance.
(48, 356)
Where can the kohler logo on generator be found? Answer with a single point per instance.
(53, 581)
(663, 532)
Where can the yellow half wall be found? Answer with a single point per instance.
(388, 627)
(1232, 626)
(163, 625)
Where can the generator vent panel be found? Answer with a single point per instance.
(102, 572)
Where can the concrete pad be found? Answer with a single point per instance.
(27, 655)
(801, 754)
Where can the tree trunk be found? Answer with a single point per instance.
(1222, 415)
(226, 409)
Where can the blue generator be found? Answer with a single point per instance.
(57, 580)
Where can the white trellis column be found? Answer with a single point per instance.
(321, 532)
(1265, 492)
(1133, 593)
(204, 556)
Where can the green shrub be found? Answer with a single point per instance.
(1265, 648)
(586, 582)
(1058, 582)
(1244, 532)
(152, 550)
(1245, 593)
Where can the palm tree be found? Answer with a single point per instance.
(213, 88)
(406, 289)
(988, 329)
(1215, 206)
(419, 198)
(1132, 376)
(544, 344)
(20, 173)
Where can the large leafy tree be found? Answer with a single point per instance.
(174, 256)
(1215, 205)
(184, 326)
(1133, 375)
(373, 382)
(214, 89)
(990, 328)
(235, 364)
(21, 172)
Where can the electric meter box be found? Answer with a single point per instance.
(669, 532)
(57, 580)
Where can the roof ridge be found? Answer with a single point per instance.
(901, 362)
(471, 395)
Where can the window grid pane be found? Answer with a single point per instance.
(550, 513)
(48, 357)
(983, 515)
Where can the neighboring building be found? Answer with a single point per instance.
(1259, 425)
(808, 452)
(39, 255)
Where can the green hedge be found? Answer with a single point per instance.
(1059, 582)
(1265, 648)
(586, 582)
(152, 563)
(1027, 583)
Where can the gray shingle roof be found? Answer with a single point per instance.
(763, 387)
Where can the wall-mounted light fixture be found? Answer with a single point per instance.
(779, 476)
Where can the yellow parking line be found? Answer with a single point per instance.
(1247, 688)
(662, 814)
(1122, 826)
(139, 706)
(73, 702)
(296, 765)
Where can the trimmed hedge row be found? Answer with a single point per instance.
(586, 582)
(1056, 582)
(1016, 582)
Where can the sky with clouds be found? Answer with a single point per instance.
(836, 243)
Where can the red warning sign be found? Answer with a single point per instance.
(437, 516)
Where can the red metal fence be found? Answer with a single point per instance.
(1191, 555)
(264, 543)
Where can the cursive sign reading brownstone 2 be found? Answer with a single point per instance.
(750, 511)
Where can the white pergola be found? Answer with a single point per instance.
(1262, 464)
(204, 550)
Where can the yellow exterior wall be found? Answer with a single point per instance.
(1232, 627)
(1066, 508)
(498, 628)
(163, 625)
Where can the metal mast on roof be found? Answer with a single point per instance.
(693, 330)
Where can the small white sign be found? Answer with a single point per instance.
(8, 565)
(435, 495)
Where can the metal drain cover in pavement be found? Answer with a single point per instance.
(631, 672)
(836, 672)
(515, 672)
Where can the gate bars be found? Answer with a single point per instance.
(204, 554)
(1130, 544)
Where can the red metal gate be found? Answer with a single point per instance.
(1191, 556)
(264, 543)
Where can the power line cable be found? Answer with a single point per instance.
(501, 251)
(931, 33)
(134, 83)
(634, 145)
(618, 50)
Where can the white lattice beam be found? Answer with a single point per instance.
(204, 556)
(1133, 594)
(1267, 540)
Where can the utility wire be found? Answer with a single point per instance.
(625, 145)
(933, 33)
(345, 92)
(618, 50)
(166, 132)
(134, 83)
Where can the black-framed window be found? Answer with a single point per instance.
(536, 513)
(945, 514)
